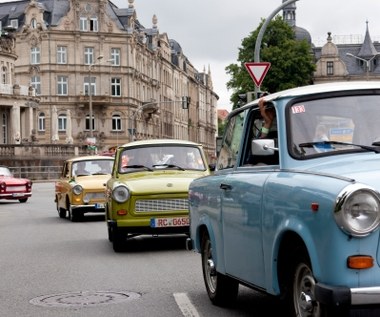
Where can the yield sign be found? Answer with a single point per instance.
(257, 71)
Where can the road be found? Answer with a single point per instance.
(53, 267)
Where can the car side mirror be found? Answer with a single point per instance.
(262, 147)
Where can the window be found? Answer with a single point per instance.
(89, 55)
(87, 82)
(115, 56)
(116, 122)
(83, 23)
(14, 23)
(4, 127)
(94, 27)
(35, 55)
(62, 55)
(62, 122)
(33, 23)
(62, 86)
(35, 82)
(230, 147)
(41, 122)
(4, 75)
(330, 68)
(115, 87)
(88, 122)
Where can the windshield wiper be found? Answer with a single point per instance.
(169, 165)
(364, 147)
(138, 166)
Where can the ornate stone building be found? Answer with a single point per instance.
(101, 76)
(17, 103)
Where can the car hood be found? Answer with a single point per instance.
(363, 168)
(159, 182)
(93, 181)
(13, 181)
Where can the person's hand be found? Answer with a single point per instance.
(268, 116)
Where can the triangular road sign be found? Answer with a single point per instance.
(257, 71)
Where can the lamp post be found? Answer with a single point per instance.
(366, 61)
(99, 58)
(262, 31)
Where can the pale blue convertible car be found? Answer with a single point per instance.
(296, 214)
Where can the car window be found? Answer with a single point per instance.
(333, 125)
(162, 156)
(92, 167)
(231, 142)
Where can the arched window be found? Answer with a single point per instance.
(116, 122)
(4, 75)
(62, 122)
(41, 121)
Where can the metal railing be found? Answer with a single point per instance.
(35, 173)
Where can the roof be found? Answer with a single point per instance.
(89, 158)
(318, 89)
(159, 142)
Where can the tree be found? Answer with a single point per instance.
(292, 62)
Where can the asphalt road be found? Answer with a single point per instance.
(53, 267)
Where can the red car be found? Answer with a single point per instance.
(14, 188)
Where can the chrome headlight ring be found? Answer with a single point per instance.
(120, 193)
(77, 189)
(357, 210)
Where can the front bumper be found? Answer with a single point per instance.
(15, 195)
(345, 296)
(88, 208)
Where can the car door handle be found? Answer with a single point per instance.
(225, 186)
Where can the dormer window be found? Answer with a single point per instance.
(33, 23)
(86, 24)
(14, 23)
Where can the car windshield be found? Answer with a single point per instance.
(334, 125)
(166, 156)
(4, 171)
(92, 167)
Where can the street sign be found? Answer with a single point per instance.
(257, 71)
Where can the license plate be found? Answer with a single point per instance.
(18, 194)
(169, 222)
(99, 206)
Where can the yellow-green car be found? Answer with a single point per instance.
(80, 188)
(148, 190)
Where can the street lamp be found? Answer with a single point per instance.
(99, 58)
(366, 61)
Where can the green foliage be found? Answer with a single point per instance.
(292, 62)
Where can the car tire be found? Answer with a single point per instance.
(74, 216)
(221, 289)
(300, 298)
(23, 200)
(118, 240)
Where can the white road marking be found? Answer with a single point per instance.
(185, 305)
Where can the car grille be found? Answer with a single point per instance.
(19, 188)
(95, 196)
(151, 205)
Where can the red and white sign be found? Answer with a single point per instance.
(257, 71)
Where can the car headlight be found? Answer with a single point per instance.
(120, 193)
(77, 189)
(357, 210)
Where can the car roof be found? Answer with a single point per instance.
(159, 141)
(316, 89)
(89, 158)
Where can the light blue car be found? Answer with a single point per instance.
(295, 211)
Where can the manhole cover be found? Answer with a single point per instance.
(84, 299)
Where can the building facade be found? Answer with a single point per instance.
(101, 77)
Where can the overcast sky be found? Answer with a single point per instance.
(210, 31)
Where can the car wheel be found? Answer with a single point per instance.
(222, 290)
(118, 240)
(301, 298)
(74, 216)
(23, 200)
